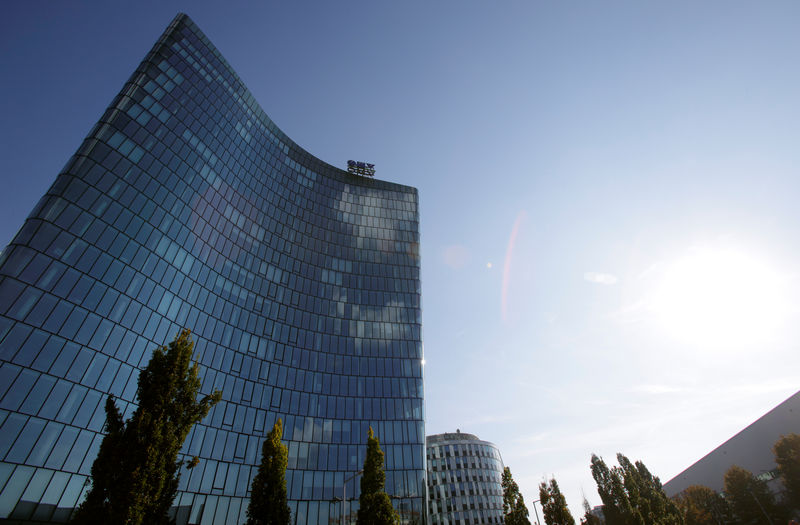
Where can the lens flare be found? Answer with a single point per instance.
(512, 240)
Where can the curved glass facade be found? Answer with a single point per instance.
(187, 207)
(464, 480)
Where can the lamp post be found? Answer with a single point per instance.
(535, 512)
(760, 506)
(344, 490)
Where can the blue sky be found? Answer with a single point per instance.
(608, 193)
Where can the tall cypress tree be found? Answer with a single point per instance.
(375, 507)
(554, 504)
(135, 475)
(514, 510)
(268, 500)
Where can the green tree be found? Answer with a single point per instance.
(268, 501)
(588, 517)
(616, 504)
(787, 457)
(135, 475)
(632, 495)
(701, 505)
(514, 510)
(751, 500)
(375, 507)
(554, 504)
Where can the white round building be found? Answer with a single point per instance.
(464, 475)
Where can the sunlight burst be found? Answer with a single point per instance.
(720, 298)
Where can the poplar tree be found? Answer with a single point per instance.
(135, 475)
(588, 517)
(514, 510)
(375, 507)
(616, 505)
(554, 504)
(632, 495)
(268, 500)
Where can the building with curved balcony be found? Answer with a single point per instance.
(186, 206)
(464, 480)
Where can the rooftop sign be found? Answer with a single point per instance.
(361, 168)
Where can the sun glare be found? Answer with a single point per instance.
(720, 298)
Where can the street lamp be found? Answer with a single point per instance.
(344, 490)
(535, 512)
(760, 506)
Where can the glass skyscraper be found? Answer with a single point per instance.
(187, 207)
(464, 480)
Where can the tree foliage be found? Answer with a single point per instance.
(750, 499)
(268, 500)
(632, 495)
(135, 475)
(787, 457)
(701, 505)
(588, 517)
(375, 507)
(514, 509)
(554, 504)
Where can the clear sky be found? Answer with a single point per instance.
(609, 192)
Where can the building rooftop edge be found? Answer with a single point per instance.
(182, 17)
(454, 436)
(785, 404)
